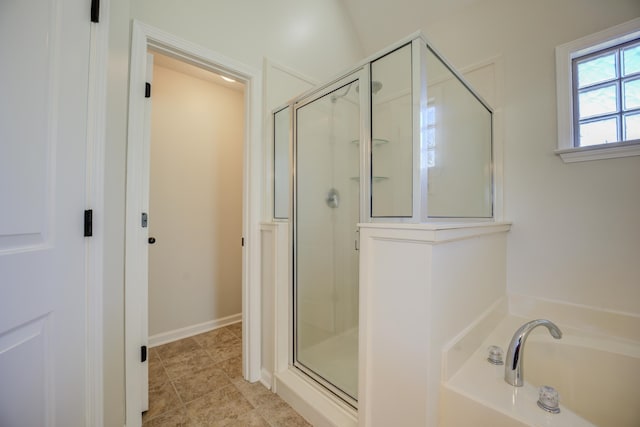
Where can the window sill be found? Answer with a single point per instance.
(599, 152)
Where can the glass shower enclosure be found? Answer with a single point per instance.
(400, 138)
(326, 214)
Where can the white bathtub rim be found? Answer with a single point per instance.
(527, 415)
(595, 320)
(479, 381)
(460, 348)
(593, 341)
(589, 327)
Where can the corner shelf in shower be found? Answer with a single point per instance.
(376, 141)
(375, 178)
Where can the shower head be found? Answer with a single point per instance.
(335, 97)
(375, 88)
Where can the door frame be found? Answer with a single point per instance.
(94, 199)
(136, 268)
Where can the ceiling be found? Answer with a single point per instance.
(379, 23)
(185, 68)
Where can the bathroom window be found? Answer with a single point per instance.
(598, 85)
(606, 95)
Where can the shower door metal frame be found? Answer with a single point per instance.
(361, 77)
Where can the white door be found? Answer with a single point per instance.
(44, 60)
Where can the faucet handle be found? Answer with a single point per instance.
(495, 355)
(549, 399)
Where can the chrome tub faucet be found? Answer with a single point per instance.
(513, 369)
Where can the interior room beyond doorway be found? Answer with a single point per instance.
(195, 200)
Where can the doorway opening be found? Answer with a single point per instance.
(140, 217)
(195, 228)
(195, 200)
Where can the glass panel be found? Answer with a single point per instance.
(458, 147)
(281, 125)
(632, 127)
(597, 70)
(631, 60)
(327, 211)
(631, 94)
(598, 101)
(392, 135)
(599, 132)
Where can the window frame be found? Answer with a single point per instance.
(593, 44)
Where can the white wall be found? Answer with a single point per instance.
(314, 38)
(575, 231)
(422, 284)
(281, 84)
(195, 212)
(576, 235)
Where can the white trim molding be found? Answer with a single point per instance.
(189, 331)
(564, 92)
(94, 199)
(599, 152)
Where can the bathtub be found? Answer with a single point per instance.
(597, 377)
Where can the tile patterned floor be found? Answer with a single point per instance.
(197, 382)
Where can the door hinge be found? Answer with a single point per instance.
(147, 90)
(88, 223)
(242, 242)
(95, 10)
(143, 353)
(145, 220)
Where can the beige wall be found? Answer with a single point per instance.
(195, 211)
(576, 235)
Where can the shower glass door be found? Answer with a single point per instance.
(326, 213)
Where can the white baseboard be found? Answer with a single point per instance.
(189, 331)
